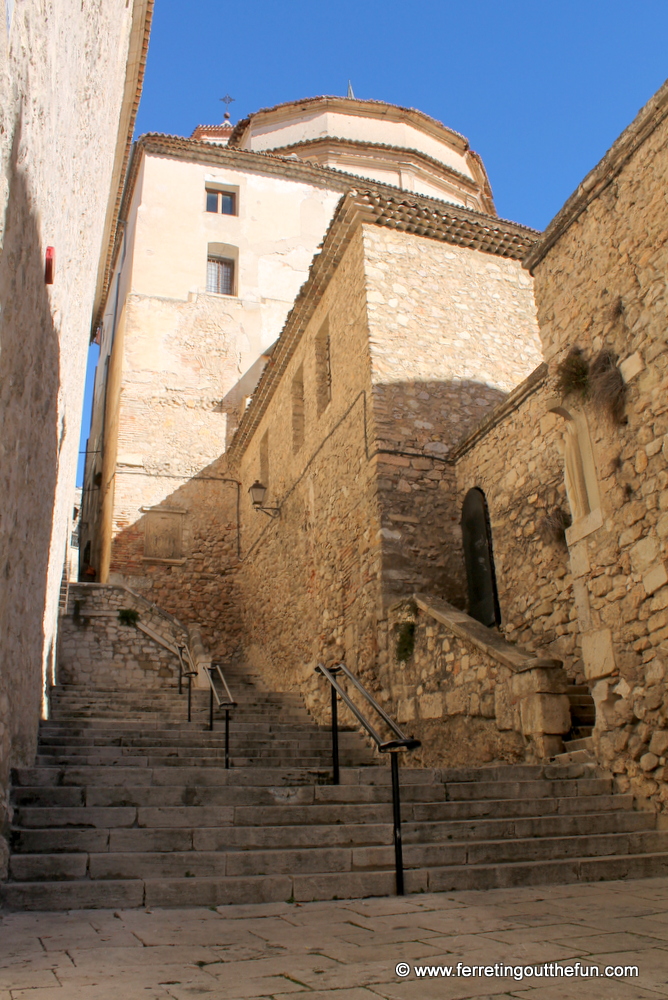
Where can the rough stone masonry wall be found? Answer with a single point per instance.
(97, 650)
(309, 579)
(603, 285)
(518, 464)
(200, 587)
(57, 148)
(466, 693)
(452, 332)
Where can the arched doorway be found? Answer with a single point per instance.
(479, 559)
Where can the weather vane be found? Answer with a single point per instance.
(227, 100)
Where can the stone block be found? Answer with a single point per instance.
(659, 743)
(598, 654)
(631, 366)
(579, 559)
(545, 714)
(406, 709)
(539, 681)
(582, 606)
(503, 709)
(649, 761)
(431, 706)
(655, 578)
(548, 745)
(643, 554)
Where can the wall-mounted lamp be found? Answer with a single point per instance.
(257, 495)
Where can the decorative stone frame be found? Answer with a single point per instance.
(579, 474)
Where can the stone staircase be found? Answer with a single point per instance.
(128, 805)
(578, 744)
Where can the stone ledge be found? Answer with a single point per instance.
(464, 627)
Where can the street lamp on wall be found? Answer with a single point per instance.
(257, 494)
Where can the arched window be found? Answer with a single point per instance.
(479, 559)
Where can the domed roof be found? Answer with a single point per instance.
(384, 142)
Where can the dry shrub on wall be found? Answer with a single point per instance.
(573, 374)
(606, 385)
(552, 528)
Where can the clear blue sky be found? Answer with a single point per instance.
(541, 89)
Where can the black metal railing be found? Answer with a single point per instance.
(188, 670)
(227, 703)
(392, 746)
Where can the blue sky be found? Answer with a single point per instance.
(541, 89)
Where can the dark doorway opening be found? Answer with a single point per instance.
(479, 559)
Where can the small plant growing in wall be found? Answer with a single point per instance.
(573, 374)
(128, 616)
(552, 528)
(405, 640)
(607, 387)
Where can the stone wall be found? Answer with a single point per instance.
(309, 578)
(517, 461)
(596, 594)
(315, 583)
(58, 163)
(198, 585)
(97, 650)
(467, 693)
(452, 331)
(601, 286)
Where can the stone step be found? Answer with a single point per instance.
(212, 891)
(180, 794)
(583, 744)
(214, 738)
(123, 839)
(295, 813)
(188, 758)
(207, 864)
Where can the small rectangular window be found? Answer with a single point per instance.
(298, 409)
(228, 203)
(323, 368)
(220, 276)
(264, 459)
(224, 202)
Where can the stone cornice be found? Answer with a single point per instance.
(358, 145)
(407, 213)
(142, 15)
(621, 151)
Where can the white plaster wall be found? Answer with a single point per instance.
(279, 224)
(272, 131)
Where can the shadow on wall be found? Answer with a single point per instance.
(182, 552)
(29, 381)
(419, 496)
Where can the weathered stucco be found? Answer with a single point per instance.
(58, 166)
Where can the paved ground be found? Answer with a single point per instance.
(349, 950)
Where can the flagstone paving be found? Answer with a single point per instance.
(348, 949)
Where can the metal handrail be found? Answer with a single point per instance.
(189, 673)
(402, 742)
(220, 703)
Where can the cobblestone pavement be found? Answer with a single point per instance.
(349, 949)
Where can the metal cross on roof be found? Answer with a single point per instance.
(227, 100)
